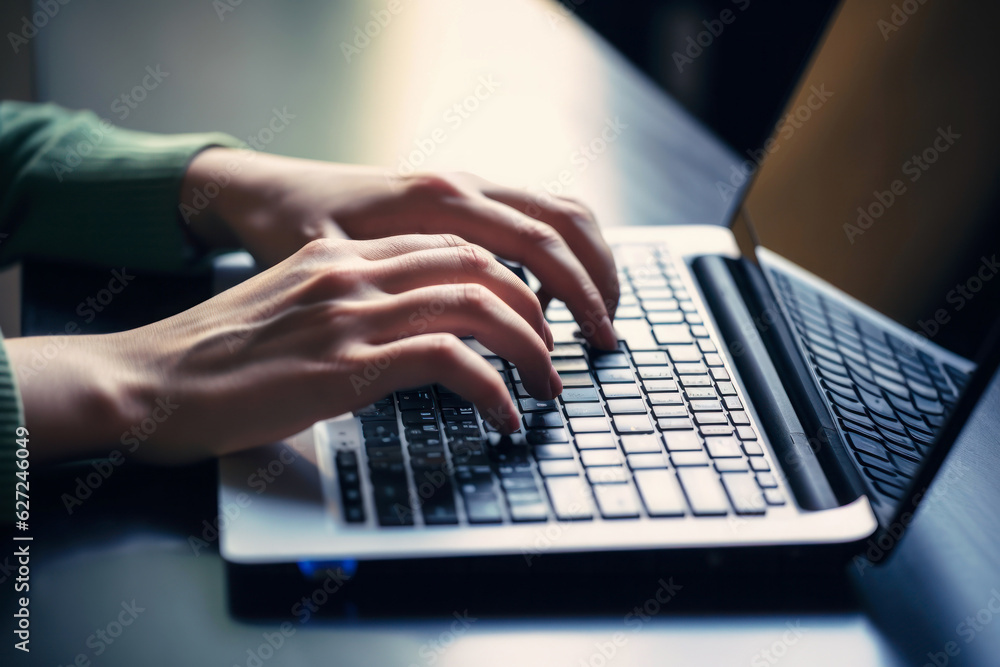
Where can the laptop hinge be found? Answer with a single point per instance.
(808, 446)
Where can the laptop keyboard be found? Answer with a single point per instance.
(654, 430)
(890, 398)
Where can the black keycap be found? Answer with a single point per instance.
(392, 502)
(544, 436)
(543, 420)
(385, 412)
(534, 405)
(411, 417)
(866, 445)
(608, 360)
(379, 429)
(415, 400)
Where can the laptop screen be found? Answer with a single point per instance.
(884, 180)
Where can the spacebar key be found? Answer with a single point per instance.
(704, 491)
(571, 498)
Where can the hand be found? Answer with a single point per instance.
(333, 328)
(273, 205)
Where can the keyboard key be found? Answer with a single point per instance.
(576, 379)
(649, 358)
(525, 512)
(558, 468)
(665, 398)
(659, 385)
(682, 441)
(607, 475)
(731, 465)
(665, 317)
(608, 360)
(697, 381)
(483, 508)
(584, 410)
(641, 444)
(870, 446)
(693, 458)
(691, 368)
(632, 424)
(615, 375)
(549, 452)
(571, 498)
(766, 480)
(667, 334)
(543, 436)
(621, 390)
(625, 406)
(710, 418)
(616, 501)
(596, 441)
(644, 461)
(715, 429)
(697, 393)
(600, 457)
(704, 491)
(589, 425)
(719, 448)
(579, 395)
(670, 411)
(746, 496)
(759, 464)
(564, 350)
(674, 424)
(706, 406)
(684, 353)
(543, 420)
(655, 372)
(745, 433)
(660, 493)
(572, 364)
(534, 405)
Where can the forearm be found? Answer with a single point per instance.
(75, 188)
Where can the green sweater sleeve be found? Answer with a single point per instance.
(74, 187)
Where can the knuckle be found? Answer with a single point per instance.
(318, 249)
(443, 349)
(578, 211)
(475, 259)
(335, 281)
(432, 186)
(451, 240)
(475, 297)
(539, 234)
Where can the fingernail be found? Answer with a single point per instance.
(555, 383)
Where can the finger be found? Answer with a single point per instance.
(575, 223)
(395, 246)
(543, 250)
(444, 359)
(469, 310)
(466, 264)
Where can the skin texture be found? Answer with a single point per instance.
(372, 281)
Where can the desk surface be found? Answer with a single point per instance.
(556, 88)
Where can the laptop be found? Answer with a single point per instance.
(753, 402)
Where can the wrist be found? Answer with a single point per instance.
(211, 182)
(81, 394)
